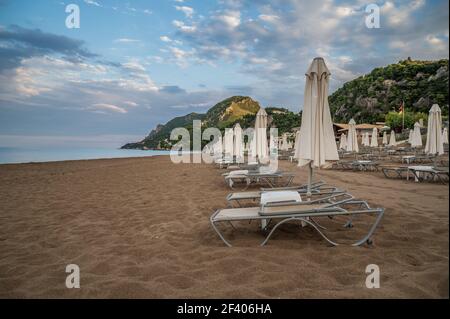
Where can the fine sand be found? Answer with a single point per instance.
(140, 228)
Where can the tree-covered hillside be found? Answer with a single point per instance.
(368, 98)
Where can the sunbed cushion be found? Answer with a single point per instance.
(280, 197)
(238, 172)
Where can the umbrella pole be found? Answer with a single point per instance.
(308, 192)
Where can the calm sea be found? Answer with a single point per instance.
(22, 155)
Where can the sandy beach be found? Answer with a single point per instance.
(140, 228)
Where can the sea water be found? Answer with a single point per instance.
(26, 155)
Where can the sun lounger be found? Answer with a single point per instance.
(306, 212)
(260, 176)
(395, 172)
(319, 192)
(429, 173)
(364, 165)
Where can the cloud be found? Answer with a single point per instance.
(274, 41)
(101, 107)
(188, 11)
(172, 89)
(17, 43)
(183, 27)
(268, 17)
(93, 3)
(165, 38)
(126, 40)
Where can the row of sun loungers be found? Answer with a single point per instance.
(287, 206)
(280, 202)
(361, 165)
(420, 173)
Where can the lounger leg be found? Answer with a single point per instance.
(220, 234)
(301, 219)
(367, 239)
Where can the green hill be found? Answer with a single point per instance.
(368, 98)
(162, 132)
(224, 114)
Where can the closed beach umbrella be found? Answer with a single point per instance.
(366, 139)
(416, 140)
(238, 143)
(410, 136)
(434, 143)
(317, 142)
(228, 142)
(297, 145)
(284, 143)
(445, 136)
(261, 135)
(343, 141)
(374, 140)
(385, 141)
(352, 139)
(392, 141)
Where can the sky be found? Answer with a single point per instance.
(134, 64)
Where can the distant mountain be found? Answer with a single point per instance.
(161, 133)
(223, 114)
(368, 98)
(230, 110)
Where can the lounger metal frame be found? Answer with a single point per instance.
(307, 216)
(271, 179)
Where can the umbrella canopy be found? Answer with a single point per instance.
(366, 139)
(410, 136)
(238, 142)
(445, 136)
(416, 139)
(297, 144)
(392, 141)
(352, 140)
(318, 145)
(434, 143)
(317, 142)
(228, 142)
(284, 143)
(374, 140)
(385, 141)
(343, 141)
(261, 135)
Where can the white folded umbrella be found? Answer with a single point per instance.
(410, 135)
(261, 135)
(228, 142)
(434, 143)
(385, 141)
(317, 142)
(374, 140)
(238, 143)
(392, 141)
(416, 140)
(343, 141)
(352, 139)
(445, 136)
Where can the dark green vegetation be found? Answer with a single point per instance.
(368, 98)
